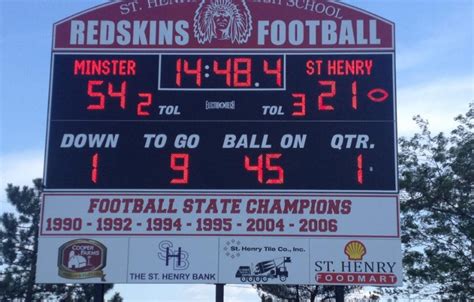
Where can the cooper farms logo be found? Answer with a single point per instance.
(82, 259)
(222, 20)
(355, 250)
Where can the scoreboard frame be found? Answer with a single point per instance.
(206, 234)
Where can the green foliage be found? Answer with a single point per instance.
(437, 206)
(18, 251)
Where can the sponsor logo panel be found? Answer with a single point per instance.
(266, 261)
(82, 260)
(365, 261)
(173, 260)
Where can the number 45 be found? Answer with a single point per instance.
(259, 168)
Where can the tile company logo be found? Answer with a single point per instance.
(82, 259)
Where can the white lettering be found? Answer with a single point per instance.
(77, 32)
(262, 31)
(92, 31)
(329, 35)
(296, 32)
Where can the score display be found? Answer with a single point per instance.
(315, 122)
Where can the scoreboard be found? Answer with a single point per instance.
(280, 121)
(221, 141)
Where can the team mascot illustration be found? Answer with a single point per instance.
(222, 20)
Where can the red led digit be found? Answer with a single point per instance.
(122, 94)
(360, 171)
(354, 95)
(382, 95)
(196, 71)
(226, 71)
(258, 167)
(301, 104)
(188, 70)
(95, 167)
(245, 72)
(270, 167)
(100, 95)
(183, 167)
(276, 72)
(178, 72)
(332, 93)
(146, 103)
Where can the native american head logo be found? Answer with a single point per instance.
(222, 20)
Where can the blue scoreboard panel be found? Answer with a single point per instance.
(222, 121)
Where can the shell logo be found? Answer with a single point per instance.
(355, 250)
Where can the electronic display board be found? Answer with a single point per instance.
(322, 122)
(221, 141)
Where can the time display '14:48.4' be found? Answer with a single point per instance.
(223, 121)
(224, 72)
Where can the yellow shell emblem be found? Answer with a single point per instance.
(355, 250)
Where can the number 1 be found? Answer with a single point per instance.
(360, 171)
(95, 167)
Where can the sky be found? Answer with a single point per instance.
(435, 78)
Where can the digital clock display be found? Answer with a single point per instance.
(247, 121)
(219, 72)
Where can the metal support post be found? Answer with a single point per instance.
(98, 292)
(339, 293)
(219, 292)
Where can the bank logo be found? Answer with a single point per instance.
(178, 258)
(222, 20)
(355, 250)
(82, 259)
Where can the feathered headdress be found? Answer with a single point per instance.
(240, 25)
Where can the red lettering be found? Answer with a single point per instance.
(105, 67)
(138, 205)
(93, 204)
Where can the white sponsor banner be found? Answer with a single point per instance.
(243, 214)
(264, 260)
(230, 260)
(173, 260)
(374, 262)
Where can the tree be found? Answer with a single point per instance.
(116, 298)
(295, 293)
(18, 251)
(437, 207)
